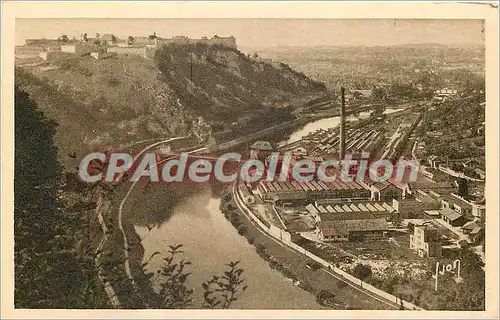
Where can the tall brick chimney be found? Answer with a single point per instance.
(342, 124)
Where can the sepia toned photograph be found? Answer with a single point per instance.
(205, 163)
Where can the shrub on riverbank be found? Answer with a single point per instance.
(230, 210)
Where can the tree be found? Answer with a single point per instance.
(411, 228)
(463, 188)
(325, 297)
(53, 266)
(174, 291)
(470, 293)
(56, 265)
(362, 271)
(153, 36)
(221, 291)
(218, 292)
(378, 93)
(130, 40)
(64, 38)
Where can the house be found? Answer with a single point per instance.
(433, 161)
(444, 94)
(323, 210)
(431, 214)
(481, 173)
(386, 191)
(426, 241)
(413, 208)
(313, 189)
(452, 218)
(260, 150)
(143, 51)
(300, 151)
(479, 211)
(352, 230)
(313, 212)
(430, 185)
(470, 227)
(108, 38)
(475, 231)
(42, 42)
(456, 203)
(246, 194)
(47, 55)
(356, 215)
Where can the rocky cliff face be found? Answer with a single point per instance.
(186, 89)
(229, 88)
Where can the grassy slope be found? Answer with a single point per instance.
(114, 101)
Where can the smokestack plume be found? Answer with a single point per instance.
(342, 124)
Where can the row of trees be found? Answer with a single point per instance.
(53, 266)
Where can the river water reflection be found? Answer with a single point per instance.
(210, 242)
(328, 123)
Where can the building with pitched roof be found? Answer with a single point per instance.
(352, 230)
(426, 241)
(414, 208)
(456, 203)
(452, 217)
(388, 190)
(261, 150)
(315, 190)
(348, 211)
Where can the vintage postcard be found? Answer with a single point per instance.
(313, 160)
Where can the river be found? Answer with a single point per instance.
(327, 123)
(210, 241)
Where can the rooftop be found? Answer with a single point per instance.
(456, 200)
(425, 198)
(262, 145)
(344, 227)
(290, 195)
(432, 212)
(450, 214)
(381, 185)
(281, 186)
(358, 215)
(472, 225)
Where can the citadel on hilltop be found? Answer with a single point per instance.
(108, 44)
(229, 42)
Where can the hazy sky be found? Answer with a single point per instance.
(268, 32)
